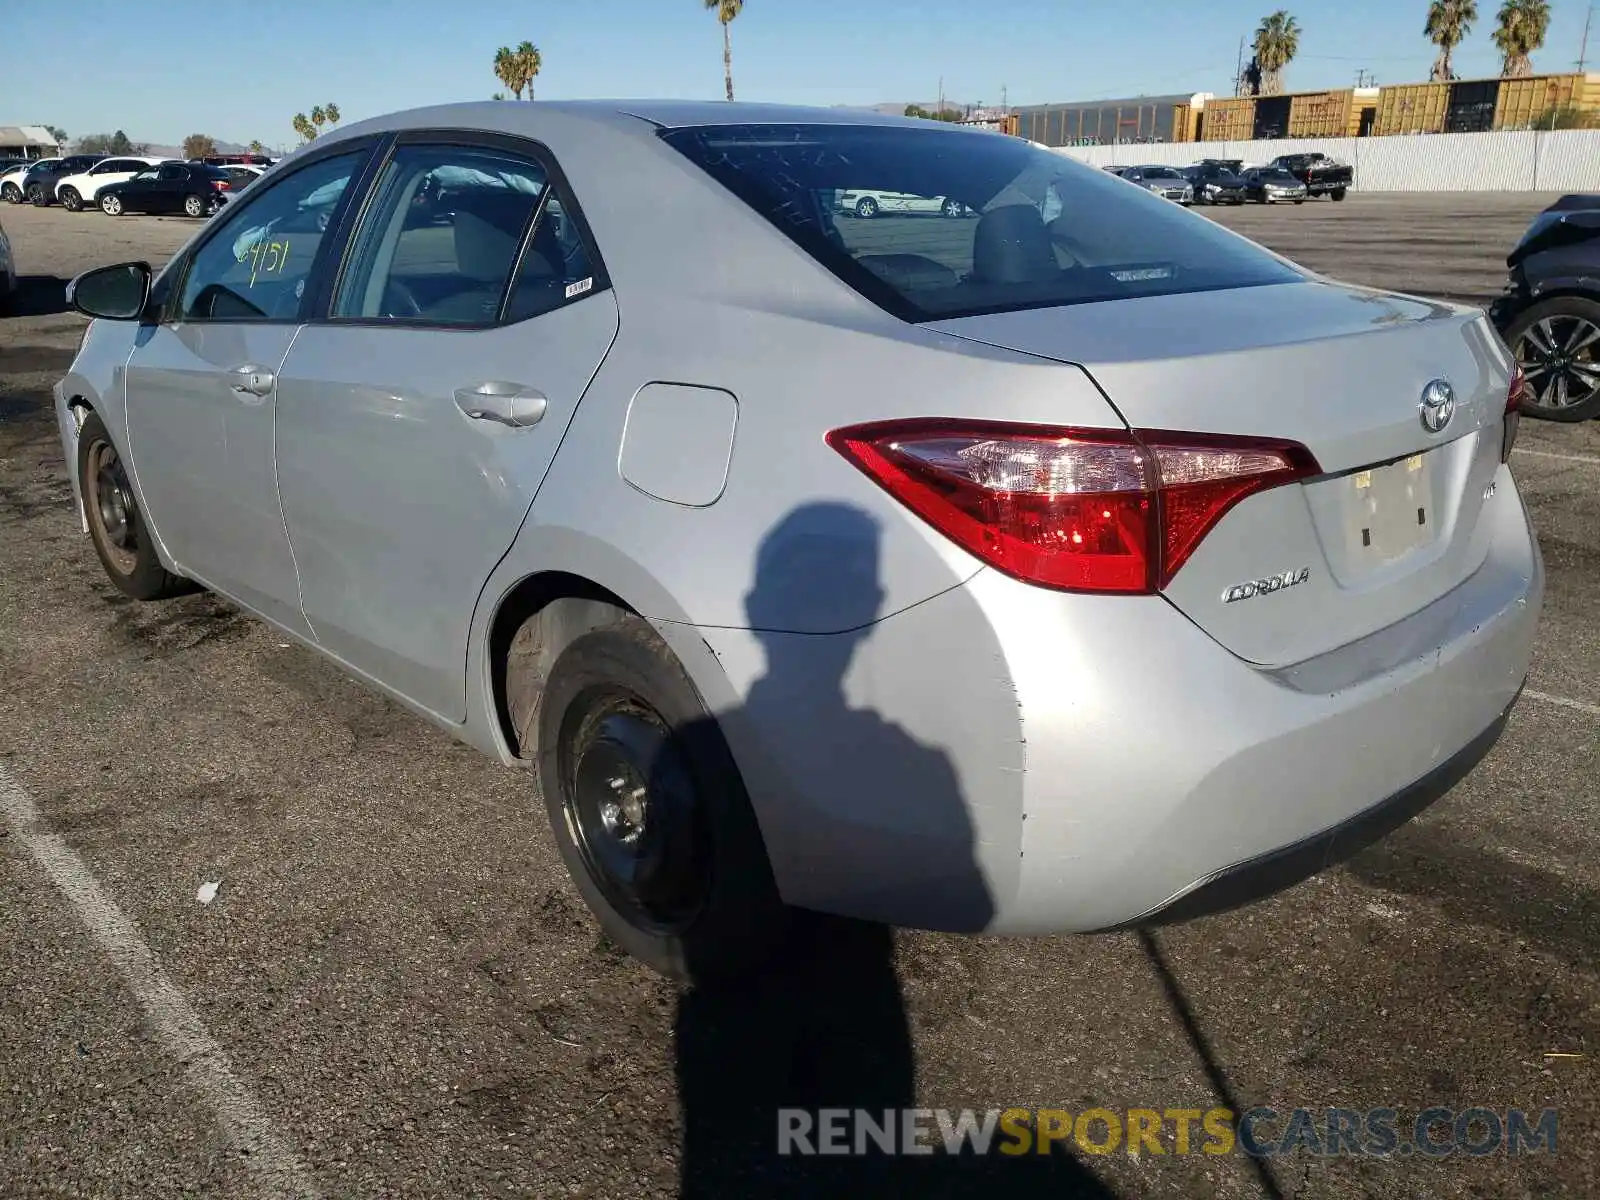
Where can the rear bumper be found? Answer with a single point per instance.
(1286, 866)
(1008, 759)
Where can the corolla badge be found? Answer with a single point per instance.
(1250, 589)
(1438, 405)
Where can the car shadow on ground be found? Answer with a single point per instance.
(37, 296)
(826, 1027)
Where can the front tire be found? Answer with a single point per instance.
(648, 809)
(953, 208)
(38, 197)
(866, 208)
(71, 200)
(116, 526)
(1557, 345)
(194, 206)
(111, 205)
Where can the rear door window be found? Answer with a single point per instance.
(1029, 229)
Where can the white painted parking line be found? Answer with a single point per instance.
(1591, 459)
(1582, 706)
(277, 1170)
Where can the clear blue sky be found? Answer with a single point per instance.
(161, 69)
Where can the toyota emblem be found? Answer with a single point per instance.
(1438, 405)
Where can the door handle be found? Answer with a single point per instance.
(250, 380)
(504, 403)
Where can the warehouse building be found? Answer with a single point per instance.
(27, 141)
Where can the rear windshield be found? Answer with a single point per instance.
(940, 223)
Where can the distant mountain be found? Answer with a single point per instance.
(222, 148)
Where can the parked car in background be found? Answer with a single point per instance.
(1167, 182)
(190, 188)
(241, 176)
(1549, 313)
(235, 160)
(11, 179)
(39, 184)
(1115, 170)
(1215, 184)
(8, 271)
(1322, 176)
(76, 192)
(1273, 185)
(1012, 579)
(868, 203)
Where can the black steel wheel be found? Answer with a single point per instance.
(648, 809)
(1557, 344)
(117, 528)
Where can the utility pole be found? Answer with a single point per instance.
(1004, 107)
(1238, 72)
(939, 111)
(1583, 49)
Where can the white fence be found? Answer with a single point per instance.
(1565, 161)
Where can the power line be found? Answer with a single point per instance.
(1583, 50)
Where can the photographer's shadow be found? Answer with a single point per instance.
(826, 1026)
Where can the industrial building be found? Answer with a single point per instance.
(27, 141)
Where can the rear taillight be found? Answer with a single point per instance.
(220, 185)
(1081, 510)
(1517, 393)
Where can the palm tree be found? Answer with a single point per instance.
(331, 111)
(256, 147)
(528, 62)
(1519, 31)
(726, 10)
(1449, 22)
(508, 71)
(1277, 41)
(306, 130)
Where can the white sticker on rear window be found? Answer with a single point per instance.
(579, 288)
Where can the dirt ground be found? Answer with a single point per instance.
(397, 991)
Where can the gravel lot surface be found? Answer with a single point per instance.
(397, 992)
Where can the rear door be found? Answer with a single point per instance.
(416, 422)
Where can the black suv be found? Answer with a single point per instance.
(39, 184)
(1549, 313)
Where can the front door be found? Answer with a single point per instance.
(415, 425)
(202, 389)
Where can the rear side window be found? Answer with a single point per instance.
(958, 223)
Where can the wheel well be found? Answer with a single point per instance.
(517, 677)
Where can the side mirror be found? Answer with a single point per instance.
(116, 293)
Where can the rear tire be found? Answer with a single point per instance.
(194, 206)
(1338, 194)
(116, 526)
(70, 200)
(1550, 343)
(111, 205)
(38, 197)
(953, 208)
(866, 208)
(11, 194)
(648, 809)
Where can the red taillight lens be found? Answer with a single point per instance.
(1082, 510)
(1517, 394)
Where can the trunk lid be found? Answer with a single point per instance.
(1390, 526)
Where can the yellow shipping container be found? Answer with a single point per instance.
(1538, 100)
(1323, 114)
(1230, 119)
(1185, 123)
(1412, 108)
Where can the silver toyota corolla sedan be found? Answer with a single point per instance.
(1079, 566)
